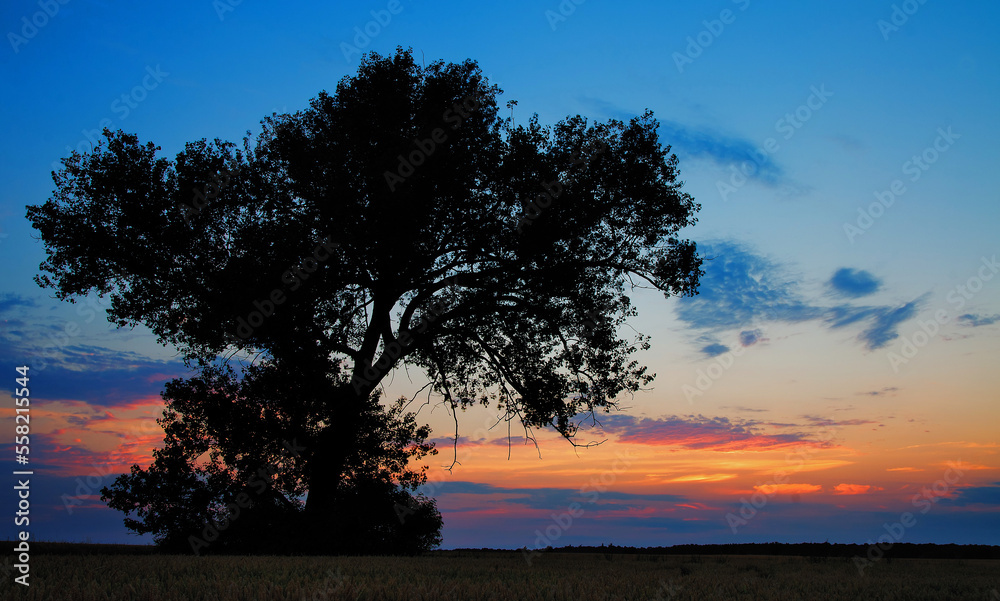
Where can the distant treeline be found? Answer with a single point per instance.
(897, 550)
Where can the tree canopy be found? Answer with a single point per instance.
(399, 220)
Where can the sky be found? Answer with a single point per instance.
(836, 372)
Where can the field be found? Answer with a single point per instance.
(484, 576)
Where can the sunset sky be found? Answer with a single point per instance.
(838, 368)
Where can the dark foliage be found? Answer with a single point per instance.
(231, 474)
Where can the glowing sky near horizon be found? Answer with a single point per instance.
(840, 359)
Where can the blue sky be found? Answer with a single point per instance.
(791, 121)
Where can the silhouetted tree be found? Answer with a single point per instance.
(400, 219)
(231, 473)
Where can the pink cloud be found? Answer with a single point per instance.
(702, 433)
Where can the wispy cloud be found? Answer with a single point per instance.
(826, 422)
(742, 289)
(703, 142)
(975, 320)
(745, 409)
(888, 390)
(550, 498)
(720, 148)
(702, 478)
(976, 495)
(448, 441)
(73, 368)
(702, 433)
(104, 377)
(885, 322)
(10, 300)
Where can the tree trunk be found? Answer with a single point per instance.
(323, 519)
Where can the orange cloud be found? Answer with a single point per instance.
(788, 489)
(960, 465)
(702, 478)
(79, 459)
(90, 439)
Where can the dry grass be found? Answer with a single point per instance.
(500, 576)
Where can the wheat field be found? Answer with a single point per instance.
(455, 576)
